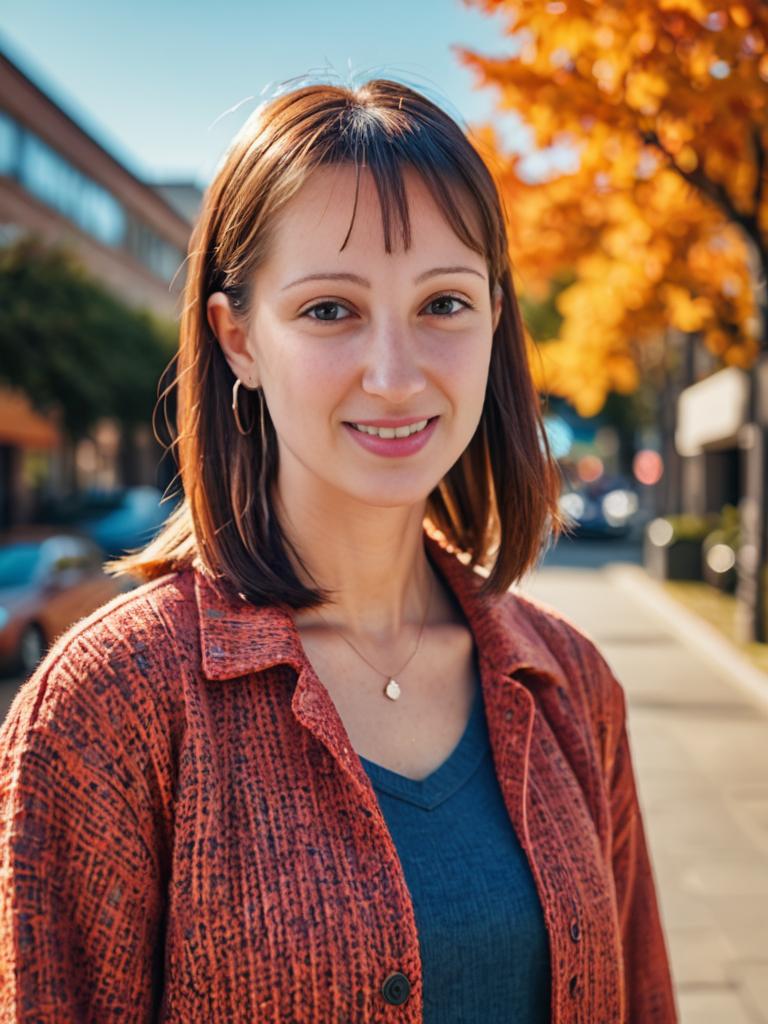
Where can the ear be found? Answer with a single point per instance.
(498, 297)
(231, 334)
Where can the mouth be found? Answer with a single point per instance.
(391, 432)
(393, 441)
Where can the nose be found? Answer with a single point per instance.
(393, 369)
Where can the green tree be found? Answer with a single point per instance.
(70, 344)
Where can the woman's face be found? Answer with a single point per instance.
(344, 343)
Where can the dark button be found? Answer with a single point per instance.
(396, 988)
(573, 985)
(575, 930)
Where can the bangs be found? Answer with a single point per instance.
(387, 143)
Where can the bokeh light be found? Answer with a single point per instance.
(648, 467)
(590, 468)
(660, 532)
(559, 436)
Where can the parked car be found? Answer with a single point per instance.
(116, 520)
(49, 578)
(605, 508)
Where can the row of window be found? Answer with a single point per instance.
(60, 185)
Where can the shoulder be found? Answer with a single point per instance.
(567, 651)
(98, 725)
(145, 625)
(572, 644)
(524, 633)
(113, 675)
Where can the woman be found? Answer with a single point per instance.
(316, 767)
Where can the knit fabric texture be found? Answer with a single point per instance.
(187, 835)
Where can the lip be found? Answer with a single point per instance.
(393, 447)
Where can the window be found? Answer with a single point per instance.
(9, 145)
(58, 184)
(62, 186)
(18, 563)
(160, 256)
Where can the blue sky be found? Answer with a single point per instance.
(165, 85)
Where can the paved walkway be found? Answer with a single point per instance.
(700, 748)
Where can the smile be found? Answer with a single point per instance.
(393, 442)
(411, 428)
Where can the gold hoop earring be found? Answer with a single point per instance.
(262, 406)
(263, 465)
(236, 412)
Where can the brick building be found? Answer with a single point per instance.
(60, 183)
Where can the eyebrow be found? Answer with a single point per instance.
(356, 279)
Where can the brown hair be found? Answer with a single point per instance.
(499, 502)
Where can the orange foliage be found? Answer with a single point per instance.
(665, 222)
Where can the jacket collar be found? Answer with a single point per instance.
(238, 638)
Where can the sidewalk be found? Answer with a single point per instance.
(699, 737)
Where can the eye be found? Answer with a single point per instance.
(327, 311)
(327, 307)
(447, 299)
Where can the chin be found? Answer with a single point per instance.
(389, 496)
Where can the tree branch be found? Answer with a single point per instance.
(749, 222)
(714, 191)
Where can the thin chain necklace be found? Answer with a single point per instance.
(392, 687)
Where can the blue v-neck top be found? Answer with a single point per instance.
(483, 942)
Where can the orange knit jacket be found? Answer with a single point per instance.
(187, 835)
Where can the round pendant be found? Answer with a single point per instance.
(392, 690)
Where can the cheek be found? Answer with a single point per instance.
(296, 374)
(302, 397)
(464, 369)
(470, 376)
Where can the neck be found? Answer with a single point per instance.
(371, 561)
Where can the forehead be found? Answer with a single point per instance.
(316, 220)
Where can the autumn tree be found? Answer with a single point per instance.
(665, 219)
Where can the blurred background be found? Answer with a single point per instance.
(629, 143)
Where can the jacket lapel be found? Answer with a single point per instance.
(238, 638)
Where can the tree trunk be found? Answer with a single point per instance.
(752, 586)
(678, 374)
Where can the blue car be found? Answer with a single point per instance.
(116, 520)
(600, 510)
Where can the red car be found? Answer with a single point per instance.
(49, 579)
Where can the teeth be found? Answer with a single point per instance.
(390, 432)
